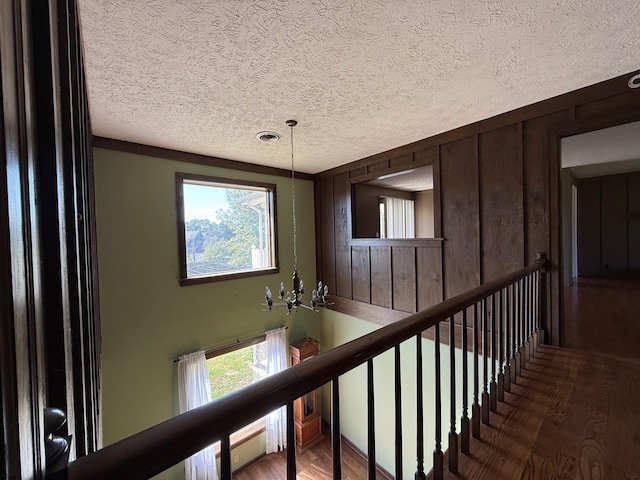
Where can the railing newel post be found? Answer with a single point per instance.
(475, 408)
(541, 258)
(493, 387)
(501, 348)
(398, 408)
(291, 443)
(525, 321)
(529, 317)
(225, 457)
(371, 423)
(438, 456)
(518, 328)
(531, 313)
(453, 436)
(507, 341)
(336, 438)
(486, 400)
(514, 334)
(464, 421)
(419, 475)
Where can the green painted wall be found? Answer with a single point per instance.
(147, 318)
(337, 329)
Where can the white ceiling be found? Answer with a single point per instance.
(603, 152)
(414, 180)
(360, 76)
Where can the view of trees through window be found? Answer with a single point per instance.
(227, 227)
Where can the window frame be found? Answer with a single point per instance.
(180, 179)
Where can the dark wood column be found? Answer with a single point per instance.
(49, 330)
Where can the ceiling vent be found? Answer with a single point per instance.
(268, 136)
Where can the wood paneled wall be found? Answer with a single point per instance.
(609, 226)
(400, 274)
(496, 201)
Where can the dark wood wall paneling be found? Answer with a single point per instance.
(498, 204)
(428, 276)
(536, 171)
(501, 201)
(49, 298)
(634, 222)
(405, 275)
(342, 229)
(614, 224)
(460, 215)
(609, 226)
(403, 266)
(381, 273)
(589, 258)
(325, 234)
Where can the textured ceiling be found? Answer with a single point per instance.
(360, 76)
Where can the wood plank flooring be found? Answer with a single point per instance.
(601, 316)
(572, 415)
(313, 464)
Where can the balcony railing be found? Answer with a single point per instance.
(500, 324)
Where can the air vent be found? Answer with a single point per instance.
(268, 136)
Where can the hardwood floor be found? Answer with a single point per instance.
(601, 316)
(314, 464)
(573, 415)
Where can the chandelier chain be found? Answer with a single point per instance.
(293, 205)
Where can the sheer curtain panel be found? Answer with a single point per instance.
(276, 362)
(400, 218)
(194, 389)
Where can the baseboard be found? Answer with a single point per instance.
(326, 428)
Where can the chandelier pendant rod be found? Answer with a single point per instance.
(291, 124)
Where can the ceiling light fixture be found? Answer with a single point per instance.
(293, 299)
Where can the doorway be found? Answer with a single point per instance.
(600, 186)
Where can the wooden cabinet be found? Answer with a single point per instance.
(308, 423)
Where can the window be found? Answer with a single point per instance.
(226, 228)
(233, 368)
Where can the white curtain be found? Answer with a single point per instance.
(400, 218)
(277, 360)
(409, 219)
(194, 389)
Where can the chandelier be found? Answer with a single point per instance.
(293, 299)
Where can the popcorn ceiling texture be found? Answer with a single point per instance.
(360, 76)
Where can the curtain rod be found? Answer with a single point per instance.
(247, 341)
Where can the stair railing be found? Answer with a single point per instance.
(505, 331)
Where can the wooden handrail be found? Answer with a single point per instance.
(155, 449)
